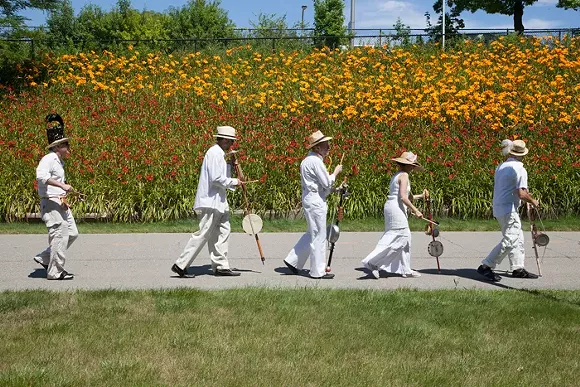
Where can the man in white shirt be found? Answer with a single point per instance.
(212, 205)
(52, 189)
(510, 188)
(316, 185)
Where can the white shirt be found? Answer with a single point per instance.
(315, 178)
(50, 167)
(214, 179)
(509, 176)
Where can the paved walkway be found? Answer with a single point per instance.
(139, 261)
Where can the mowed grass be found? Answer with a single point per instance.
(570, 223)
(302, 337)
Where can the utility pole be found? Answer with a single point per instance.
(443, 25)
(351, 26)
(302, 23)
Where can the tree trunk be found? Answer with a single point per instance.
(518, 16)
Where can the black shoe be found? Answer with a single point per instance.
(326, 276)
(63, 276)
(39, 261)
(225, 273)
(180, 272)
(523, 273)
(292, 268)
(488, 273)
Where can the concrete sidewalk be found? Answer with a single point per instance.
(143, 261)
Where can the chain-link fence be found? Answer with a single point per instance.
(287, 39)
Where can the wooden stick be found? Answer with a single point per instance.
(249, 181)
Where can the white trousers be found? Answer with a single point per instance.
(512, 243)
(393, 252)
(313, 243)
(62, 232)
(214, 229)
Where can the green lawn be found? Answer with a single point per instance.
(571, 223)
(302, 337)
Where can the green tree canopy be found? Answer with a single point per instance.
(9, 10)
(513, 8)
(329, 22)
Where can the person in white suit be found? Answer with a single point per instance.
(212, 206)
(316, 185)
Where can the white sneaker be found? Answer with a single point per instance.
(413, 274)
(376, 274)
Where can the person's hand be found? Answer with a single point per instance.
(535, 203)
(338, 169)
(418, 214)
(67, 187)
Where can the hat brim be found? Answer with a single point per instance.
(57, 142)
(225, 136)
(323, 139)
(407, 162)
(525, 152)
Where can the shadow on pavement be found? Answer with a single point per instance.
(38, 273)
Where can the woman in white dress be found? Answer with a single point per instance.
(393, 252)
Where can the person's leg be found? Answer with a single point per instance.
(298, 256)
(316, 219)
(197, 240)
(218, 241)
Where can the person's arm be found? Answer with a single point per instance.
(524, 195)
(403, 182)
(43, 175)
(326, 179)
(522, 189)
(217, 175)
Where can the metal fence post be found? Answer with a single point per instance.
(32, 53)
(273, 44)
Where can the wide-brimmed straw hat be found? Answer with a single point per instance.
(316, 138)
(55, 130)
(226, 132)
(408, 158)
(519, 148)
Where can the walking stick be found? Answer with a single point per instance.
(251, 223)
(435, 248)
(333, 231)
(538, 238)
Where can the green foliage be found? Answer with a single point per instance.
(9, 10)
(403, 32)
(504, 7)
(199, 19)
(453, 23)
(329, 23)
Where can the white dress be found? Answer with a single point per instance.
(393, 252)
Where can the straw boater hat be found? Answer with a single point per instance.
(408, 158)
(316, 138)
(519, 148)
(55, 130)
(226, 132)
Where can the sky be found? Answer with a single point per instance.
(372, 14)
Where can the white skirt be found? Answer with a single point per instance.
(393, 252)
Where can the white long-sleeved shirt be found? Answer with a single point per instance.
(214, 179)
(50, 167)
(314, 177)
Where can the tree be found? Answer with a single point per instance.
(199, 19)
(453, 23)
(403, 32)
(9, 10)
(504, 7)
(329, 22)
(270, 25)
(61, 22)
